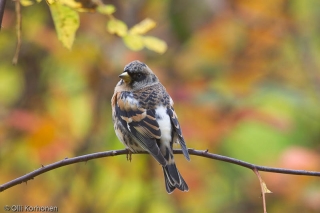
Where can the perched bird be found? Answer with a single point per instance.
(144, 119)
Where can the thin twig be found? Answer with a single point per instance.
(204, 153)
(262, 183)
(2, 6)
(18, 32)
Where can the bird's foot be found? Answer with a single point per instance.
(129, 155)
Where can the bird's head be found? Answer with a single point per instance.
(137, 75)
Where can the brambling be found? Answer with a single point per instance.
(144, 119)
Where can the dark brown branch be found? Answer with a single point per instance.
(249, 165)
(2, 6)
(205, 154)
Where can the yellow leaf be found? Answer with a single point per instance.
(133, 42)
(71, 3)
(143, 27)
(264, 188)
(49, 2)
(26, 2)
(118, 27)
(66, 22)
(106, 9)
(29, 2)
(155, 44)
(78, 5)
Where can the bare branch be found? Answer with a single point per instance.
(18, 31)
(205, 153)
(249, 165)
(2, 6)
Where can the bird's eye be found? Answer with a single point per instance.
(139, 76)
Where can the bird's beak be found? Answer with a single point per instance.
(126, 77)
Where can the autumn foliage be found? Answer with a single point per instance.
(244, 76)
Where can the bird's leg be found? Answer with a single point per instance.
(129, 155)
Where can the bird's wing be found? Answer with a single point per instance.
(140, 123)
(176, 125)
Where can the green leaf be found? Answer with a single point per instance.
(66, 22)
(143, 27)
(134, 42)
(118, 27)
(155, 44)
(106, 9)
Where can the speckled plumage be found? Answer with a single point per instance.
(144, 119)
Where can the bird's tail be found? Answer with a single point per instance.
(173, 178)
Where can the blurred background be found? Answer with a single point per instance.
(243, 74)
